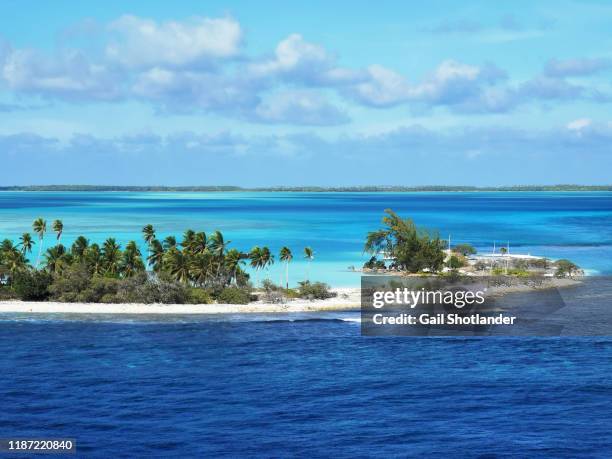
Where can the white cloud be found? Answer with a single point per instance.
(70, 74)
(575, 67)
(298, 60)
(579, 124)
(293, 53)
(299, 107)
(451, 83)
(145, 43)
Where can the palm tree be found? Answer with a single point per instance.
(132, 260)
(156, 257)
(26, 243)
(40, 228)
(177, 264)
(14, 261)
(58, 227)
(286, 256)
(54, 258)
(255, 255)
(309, 255)
(79, 246)
(200, 244)
(201, 268)
(148, 233)
(111, 255)
(95, 261)
(218, 245)
(169, 243)
(267, 259)
(188, 239)
(233, 260)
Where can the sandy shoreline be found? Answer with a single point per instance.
(348, 299)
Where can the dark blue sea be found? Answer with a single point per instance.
(299, 387)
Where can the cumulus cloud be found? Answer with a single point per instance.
(299, 60)
(550, 88)
(299, 107)
(451, 83)
(143, 42)
(575, 67)
(197, 65)
(69, 73)
(188, 91)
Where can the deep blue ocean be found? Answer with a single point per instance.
(314, 388)
(309, 385)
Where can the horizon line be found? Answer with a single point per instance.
(306, 188)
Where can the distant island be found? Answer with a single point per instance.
(310, 189)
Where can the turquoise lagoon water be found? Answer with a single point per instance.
(558, 225)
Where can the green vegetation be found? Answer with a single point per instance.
(315, 291)
(412, 249)
(565, 268)
(464, 249)
(456, 262)
(197, 269)
(374, 263)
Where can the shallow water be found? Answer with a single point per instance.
(554, 224)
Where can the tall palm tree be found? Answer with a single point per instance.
(188, 239)
(218, 245)
(26, 243)
(54, 258)
(111, 255)
(233, 260)
(58, 227)
(169, 243)
(156, 255)
(95, 261)
(148, 233)
(267, 259)
(79, 246)
(309, 255)
(177, 264)
(286, 256)
(132, 260)
(200, 244)
(255, 257)
(201, 268)
(14, 261)
(40, 228)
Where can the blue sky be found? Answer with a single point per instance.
(283, 93)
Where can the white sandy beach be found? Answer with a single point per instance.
(348, 299)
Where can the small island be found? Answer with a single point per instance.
(400, 248)
(201, 273)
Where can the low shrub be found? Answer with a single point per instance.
(199, 296)
(234, 295)
(315, 290)
(32, 285)
(456, 262)
(69, 286)
(7, 293)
